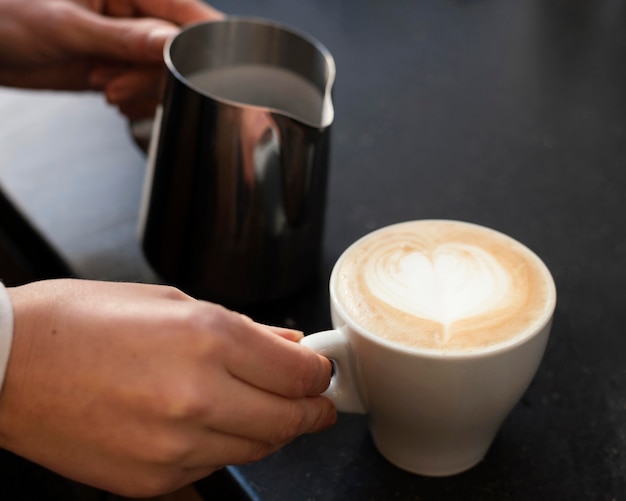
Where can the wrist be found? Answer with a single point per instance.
(6, 331)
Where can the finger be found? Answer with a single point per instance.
(119, 39)
(102, 75)
(266, 417)
(131, 38)
(289, 334)
(284, 332)
(138, 110)
(179, 11)
(145, 82)
(119, 8)
(212, 447)
(136, 105)
(214, 450)
(135, 90)
(270, 362)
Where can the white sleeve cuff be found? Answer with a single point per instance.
(6, 331)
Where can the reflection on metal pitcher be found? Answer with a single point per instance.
(236, 186)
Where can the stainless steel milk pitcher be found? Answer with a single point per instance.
(235, 191)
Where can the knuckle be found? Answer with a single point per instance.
(309, 378)
(307, 415)
(204, 316)
(64, 14)
(295, 424)
(128, 38)
(185, 401)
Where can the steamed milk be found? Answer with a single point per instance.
(262, 85)
(443, 285)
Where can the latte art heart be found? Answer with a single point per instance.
(452, 282)
(440, 285)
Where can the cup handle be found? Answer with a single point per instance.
(343, 390)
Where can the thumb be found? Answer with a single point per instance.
(124, 39)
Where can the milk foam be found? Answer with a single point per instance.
(452, 282)
(443, 285)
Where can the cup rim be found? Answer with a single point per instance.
(483, 352)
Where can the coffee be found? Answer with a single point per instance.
(263, 85)
(442, 285)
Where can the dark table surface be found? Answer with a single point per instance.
(507, 113)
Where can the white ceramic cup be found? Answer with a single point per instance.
(431, 412)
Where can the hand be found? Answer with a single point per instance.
(110, 45)
(139, 389)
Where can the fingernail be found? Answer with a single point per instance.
(294, 335)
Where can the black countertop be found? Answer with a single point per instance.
(510, 114)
